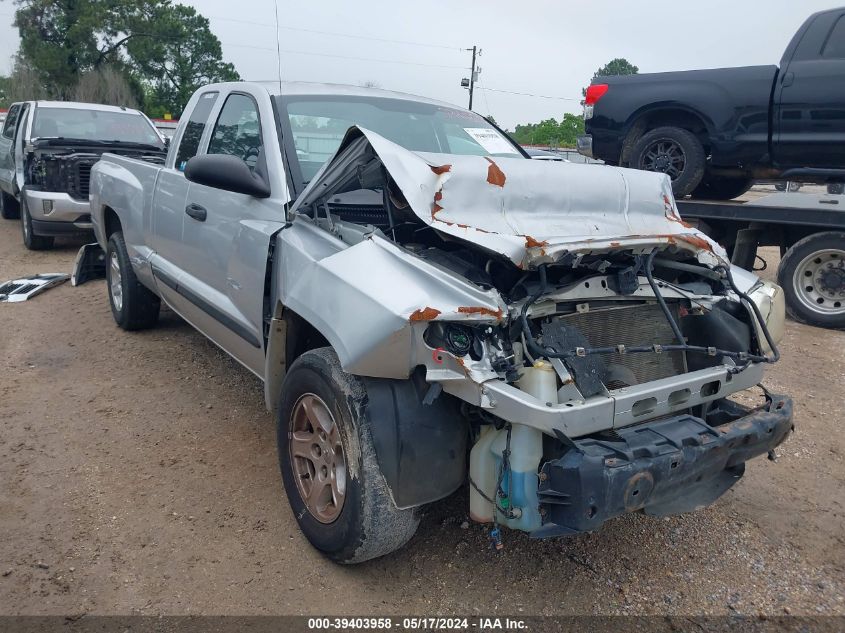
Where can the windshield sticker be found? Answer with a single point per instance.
(490, 140)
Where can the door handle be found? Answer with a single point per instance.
(196, 211)
(787, 79)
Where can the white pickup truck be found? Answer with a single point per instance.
(427, 308)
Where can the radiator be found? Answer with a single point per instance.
(643, 324)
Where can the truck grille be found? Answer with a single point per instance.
(82, 180)
(636, 325)
(361, 213)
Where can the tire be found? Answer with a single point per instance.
(9, 207)
(836, 188)
(32, 241)
(812, 275)
(673, 151)
(722, 187)
(133, 305)
(358, 520)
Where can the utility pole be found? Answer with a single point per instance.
(473, 75)
(472, 78)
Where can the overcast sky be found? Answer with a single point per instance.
(541, 47)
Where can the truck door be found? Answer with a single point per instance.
(7, 148)
(226, 239)
(809, 112)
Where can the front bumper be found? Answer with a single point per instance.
(585, 145)
(665, 467)
(56, 213)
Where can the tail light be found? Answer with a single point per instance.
(594, 93)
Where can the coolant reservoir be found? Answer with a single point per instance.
(540, 381)
(483, 470)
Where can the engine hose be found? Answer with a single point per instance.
(757, 314)
(649, 274)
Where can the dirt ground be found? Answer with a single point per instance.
(138, 475)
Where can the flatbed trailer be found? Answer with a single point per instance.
(810, 231)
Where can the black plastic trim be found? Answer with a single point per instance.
(211, 310)
(662, 468)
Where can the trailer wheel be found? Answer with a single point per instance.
(333, 481)
(722, 187)
(812, 275)
(133, 305)
(9, 208)
(673, 151)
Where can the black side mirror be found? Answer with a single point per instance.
(226, 172)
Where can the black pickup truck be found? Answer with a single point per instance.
(715, 131)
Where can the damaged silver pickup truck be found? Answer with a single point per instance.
(427, 307)
(47, 149)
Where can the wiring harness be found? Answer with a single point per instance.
(537, 350)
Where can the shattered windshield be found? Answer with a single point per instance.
(319, 123)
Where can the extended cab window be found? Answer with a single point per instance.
(834, 48)
(11, 121)
(190, 143)
(237, 132)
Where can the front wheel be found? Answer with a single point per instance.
(332, 478)
(812, 275)
(673, 151)
(32, 241)
(133, 305)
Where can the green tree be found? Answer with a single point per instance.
(62, 39)
(551, 132)
(179, 55)
(618, 66)
(164, 50)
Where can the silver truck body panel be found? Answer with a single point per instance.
(530, 211)
(57, 207)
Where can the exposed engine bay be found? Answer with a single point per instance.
(54, 166)
(556, 303)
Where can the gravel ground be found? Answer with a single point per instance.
(138, 475)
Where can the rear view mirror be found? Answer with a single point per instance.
(226, 172)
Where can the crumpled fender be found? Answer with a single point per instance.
(373, 300)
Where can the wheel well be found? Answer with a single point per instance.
(300, 337)
(670, 117)
(289, 336)
(111, 222)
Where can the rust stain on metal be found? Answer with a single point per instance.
(671, 214)
(441, 169)
(424, 314)
(481, 310)
(698, 242)
(530, 242)
(495, 176)
(435, 207)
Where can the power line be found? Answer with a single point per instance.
(335, 34)
(371, 59)
(528, 94)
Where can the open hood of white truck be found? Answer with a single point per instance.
(531, 212)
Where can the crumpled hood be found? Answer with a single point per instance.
(532, 212)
